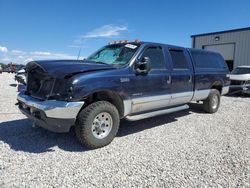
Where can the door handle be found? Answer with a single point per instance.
(190, 79)
(169, 79)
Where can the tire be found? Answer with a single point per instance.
(99, 117)
(212, 103)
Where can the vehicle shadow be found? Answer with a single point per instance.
(21, 136)
(131, 127)
(237, 95)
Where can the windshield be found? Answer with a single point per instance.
(241, 70)
(116, 54)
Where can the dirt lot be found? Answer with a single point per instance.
(184, 149)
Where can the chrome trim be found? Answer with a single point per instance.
(190, 79)
(181, 98)
(182, 94)
(137, 54)
(156, 113)
(127, 107)
(53, 108)
(225, 90)
(140, 100)
(201, 94)
(169, 79)
(141, 104)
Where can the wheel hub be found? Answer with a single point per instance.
(102, 125)
(214, 101)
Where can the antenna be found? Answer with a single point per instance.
(79, 53)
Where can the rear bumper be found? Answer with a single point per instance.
(56, 116)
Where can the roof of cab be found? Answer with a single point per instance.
(156, 43)
(179, 47)
(168, 45)
(202, 50)
(152, 43)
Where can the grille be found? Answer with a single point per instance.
(45, 88)
(236, 82)
(39, 86)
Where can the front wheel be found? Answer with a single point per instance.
(212, 103)
(97, 124)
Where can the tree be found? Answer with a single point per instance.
(3, 65)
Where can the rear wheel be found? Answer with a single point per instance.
(97, 124)
(212, 103)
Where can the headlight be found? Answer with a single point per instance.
(62, 90)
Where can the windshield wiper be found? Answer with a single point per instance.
(101, 62)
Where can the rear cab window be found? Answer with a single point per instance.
(207, 60)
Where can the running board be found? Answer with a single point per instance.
(156, 113)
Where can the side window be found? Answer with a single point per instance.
(156, 57)
(178, 59)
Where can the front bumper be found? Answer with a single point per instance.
(245, 89)
(56, 116)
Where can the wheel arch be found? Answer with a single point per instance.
(105, 95)
(217, 85)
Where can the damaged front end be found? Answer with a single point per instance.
(43, 86)
(48, 97)
(48, 80)
(45, 100)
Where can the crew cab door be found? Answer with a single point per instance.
(182, 81)
(151, 91)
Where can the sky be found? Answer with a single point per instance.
(58, 29)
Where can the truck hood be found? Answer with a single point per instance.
(241, 77)
(63, 68)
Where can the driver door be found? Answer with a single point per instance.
(151, 91)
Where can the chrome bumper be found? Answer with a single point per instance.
(52, 108)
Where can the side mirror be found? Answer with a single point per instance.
(143, 66)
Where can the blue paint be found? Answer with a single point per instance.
(87, 77)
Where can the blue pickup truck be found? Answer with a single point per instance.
(125, 80)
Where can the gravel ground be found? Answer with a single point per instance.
(184, 149)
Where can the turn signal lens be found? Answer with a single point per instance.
(122, 41)
(136, 40)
